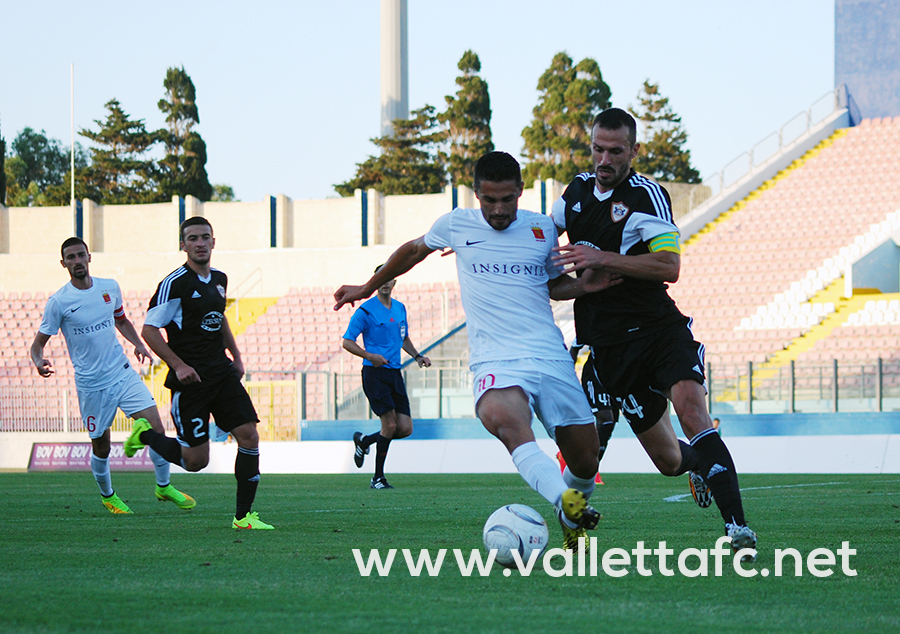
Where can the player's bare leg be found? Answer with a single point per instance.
(506, 414)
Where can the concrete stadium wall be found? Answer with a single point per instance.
(318, 242)
(151, 227)
(35, 230)
(279, 269)
(328, 223)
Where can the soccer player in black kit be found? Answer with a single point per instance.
(643, 349)
(190, 304)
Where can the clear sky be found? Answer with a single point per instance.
(289, 92)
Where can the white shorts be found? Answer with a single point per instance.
(98, 407)
(553, 389)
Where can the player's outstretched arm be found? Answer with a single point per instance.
(401, 261)
(37, 355)
(124, 326)
(185, 373)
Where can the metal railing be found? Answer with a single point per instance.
(286, 400)
(812, 387)
(774, 143)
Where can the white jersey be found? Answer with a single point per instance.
(503, 279)
(87, 320)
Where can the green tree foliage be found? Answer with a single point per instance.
(556, 142)
(222, 193)
(663, 155)
(119, 172)
(2, 170)
(37, 172)
(183, 170)
(468, 121)
(411, 160)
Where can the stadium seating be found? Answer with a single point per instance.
(752, 280)
(302, 332)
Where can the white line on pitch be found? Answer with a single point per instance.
(681, 496)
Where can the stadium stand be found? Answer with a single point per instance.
(758, 278)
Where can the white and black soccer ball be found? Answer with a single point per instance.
(515, 527)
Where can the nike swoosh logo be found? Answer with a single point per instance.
(471, 242)
(74, 309)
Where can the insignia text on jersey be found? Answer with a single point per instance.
(536, 270)
(86, 330)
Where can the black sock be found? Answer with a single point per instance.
(165, 446)
(689, 459)
(371, 439)
(246, 472)
(604, 431)
(381, 450)
(717, 468)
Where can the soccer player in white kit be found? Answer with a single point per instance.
(86, 310)
(516, 351)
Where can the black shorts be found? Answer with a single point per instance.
(639, 372)
(385, 390)
(226, 400)
(597, 395)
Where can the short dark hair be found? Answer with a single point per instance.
(193, 221)
(71, 242)
(615, 118)
(496, 167)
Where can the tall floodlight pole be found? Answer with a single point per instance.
(72, 113)
(394, 64)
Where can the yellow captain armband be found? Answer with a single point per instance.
(666, 242)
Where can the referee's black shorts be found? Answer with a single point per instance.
(385, 390)
(638, 372)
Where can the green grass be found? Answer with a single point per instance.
(67, 565)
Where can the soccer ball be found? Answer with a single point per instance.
(515, 527)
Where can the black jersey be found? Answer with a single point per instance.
(192, 310)
(623, 221)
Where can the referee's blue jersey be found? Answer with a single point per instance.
(383, 329)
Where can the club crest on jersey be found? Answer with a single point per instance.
(107, 298)
(538, 233)
(619, 211)
(221, 290)
(212, 321)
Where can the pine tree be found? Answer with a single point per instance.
(411, 160)
(119, 174)
(183, 170)
(663, 155)
(468, 121)
(556, 142)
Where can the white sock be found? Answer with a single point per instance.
(100, 469)
(585, 485)
(161, 467)
(539, 471)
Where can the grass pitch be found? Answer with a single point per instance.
(67, 565)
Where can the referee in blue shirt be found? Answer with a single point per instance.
(382, 323)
